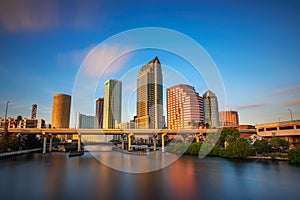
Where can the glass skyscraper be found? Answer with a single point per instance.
(112, 103)
(211, 109)
(150, 96)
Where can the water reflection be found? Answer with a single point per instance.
(55, 176)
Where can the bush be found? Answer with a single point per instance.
(294, 155)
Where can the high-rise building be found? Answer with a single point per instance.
(61, 111)
(150, 96)
(184, 107)
(99, 113)
(85, 121)
(229, 118)
(33, 111)
(112, 103)
(211, 109)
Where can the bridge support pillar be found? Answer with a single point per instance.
(154, 142)
(50, 145)
(129, 140)
(122, 138)
(44, 143)
(197, 137)
(163, 142)
(79, 142)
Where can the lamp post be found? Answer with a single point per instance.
(291, 114)
(5, 125)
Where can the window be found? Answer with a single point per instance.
(286, 127)
(271, 129)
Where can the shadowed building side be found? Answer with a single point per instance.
(99, 113)
(211, 109)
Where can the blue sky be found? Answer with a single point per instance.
(255, 45)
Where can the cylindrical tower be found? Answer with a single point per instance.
(61, 111)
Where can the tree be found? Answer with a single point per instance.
(228, 131)
(261, 146)
(237, 148)
(17, 121)
(294, 155)
(277, 143)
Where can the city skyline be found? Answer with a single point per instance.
(255, 46)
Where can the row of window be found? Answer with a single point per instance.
(280, 128)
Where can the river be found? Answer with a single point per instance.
(55, 176)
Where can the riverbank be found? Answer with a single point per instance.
(18, 153)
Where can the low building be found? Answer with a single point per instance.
(288, 130)
(229, 118)
(24, 123)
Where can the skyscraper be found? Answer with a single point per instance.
(99, 113)
(229, 118)
(211, 109)
(85, 121)
(150, 96)
(184, 107)
(61, 111)
(112, 103)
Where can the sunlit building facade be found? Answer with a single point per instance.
(229, 118)
(112, 103)
(150, 96)
(184, 107)
(85, 121)
(61, 111)
(211, 109)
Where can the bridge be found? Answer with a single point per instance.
(50, 132)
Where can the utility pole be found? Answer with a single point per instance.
(291, 114)
(5, 125)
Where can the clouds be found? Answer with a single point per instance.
(291, 90)
(250, 106)
(37, 15)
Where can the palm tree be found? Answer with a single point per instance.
(17, 121)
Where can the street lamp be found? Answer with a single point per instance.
(5, 125)
(291, 114)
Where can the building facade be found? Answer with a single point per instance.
(23, 123)
(211, 109)
(61, 111)
(229, 118)
(150, 96)
(85, 121)
(184, 107)
(99, 113)
(112, 103)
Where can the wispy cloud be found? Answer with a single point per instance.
(16, 15)
(292, 102)
(250, 106)
(291, 90)
(105, 60)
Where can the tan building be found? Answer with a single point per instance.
(61, 111)
(288, 130)
(184, 107)
(229, 118)
(150, 96)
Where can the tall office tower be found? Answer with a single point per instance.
(33, 111)
(211, 109)
(229, 118)
(61, 111)
(150, 96)
(184, 107)
(99, 113)
(112, 103)
(85, 121)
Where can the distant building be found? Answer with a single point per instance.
(33, 111)
(150, 96)
(184, 107)
(211, 109)
(229, 118)
(112, 103)
(288, 130)
(24, 123)
(127, 125)
(85, 121)
(61, 111)
(99, 113)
